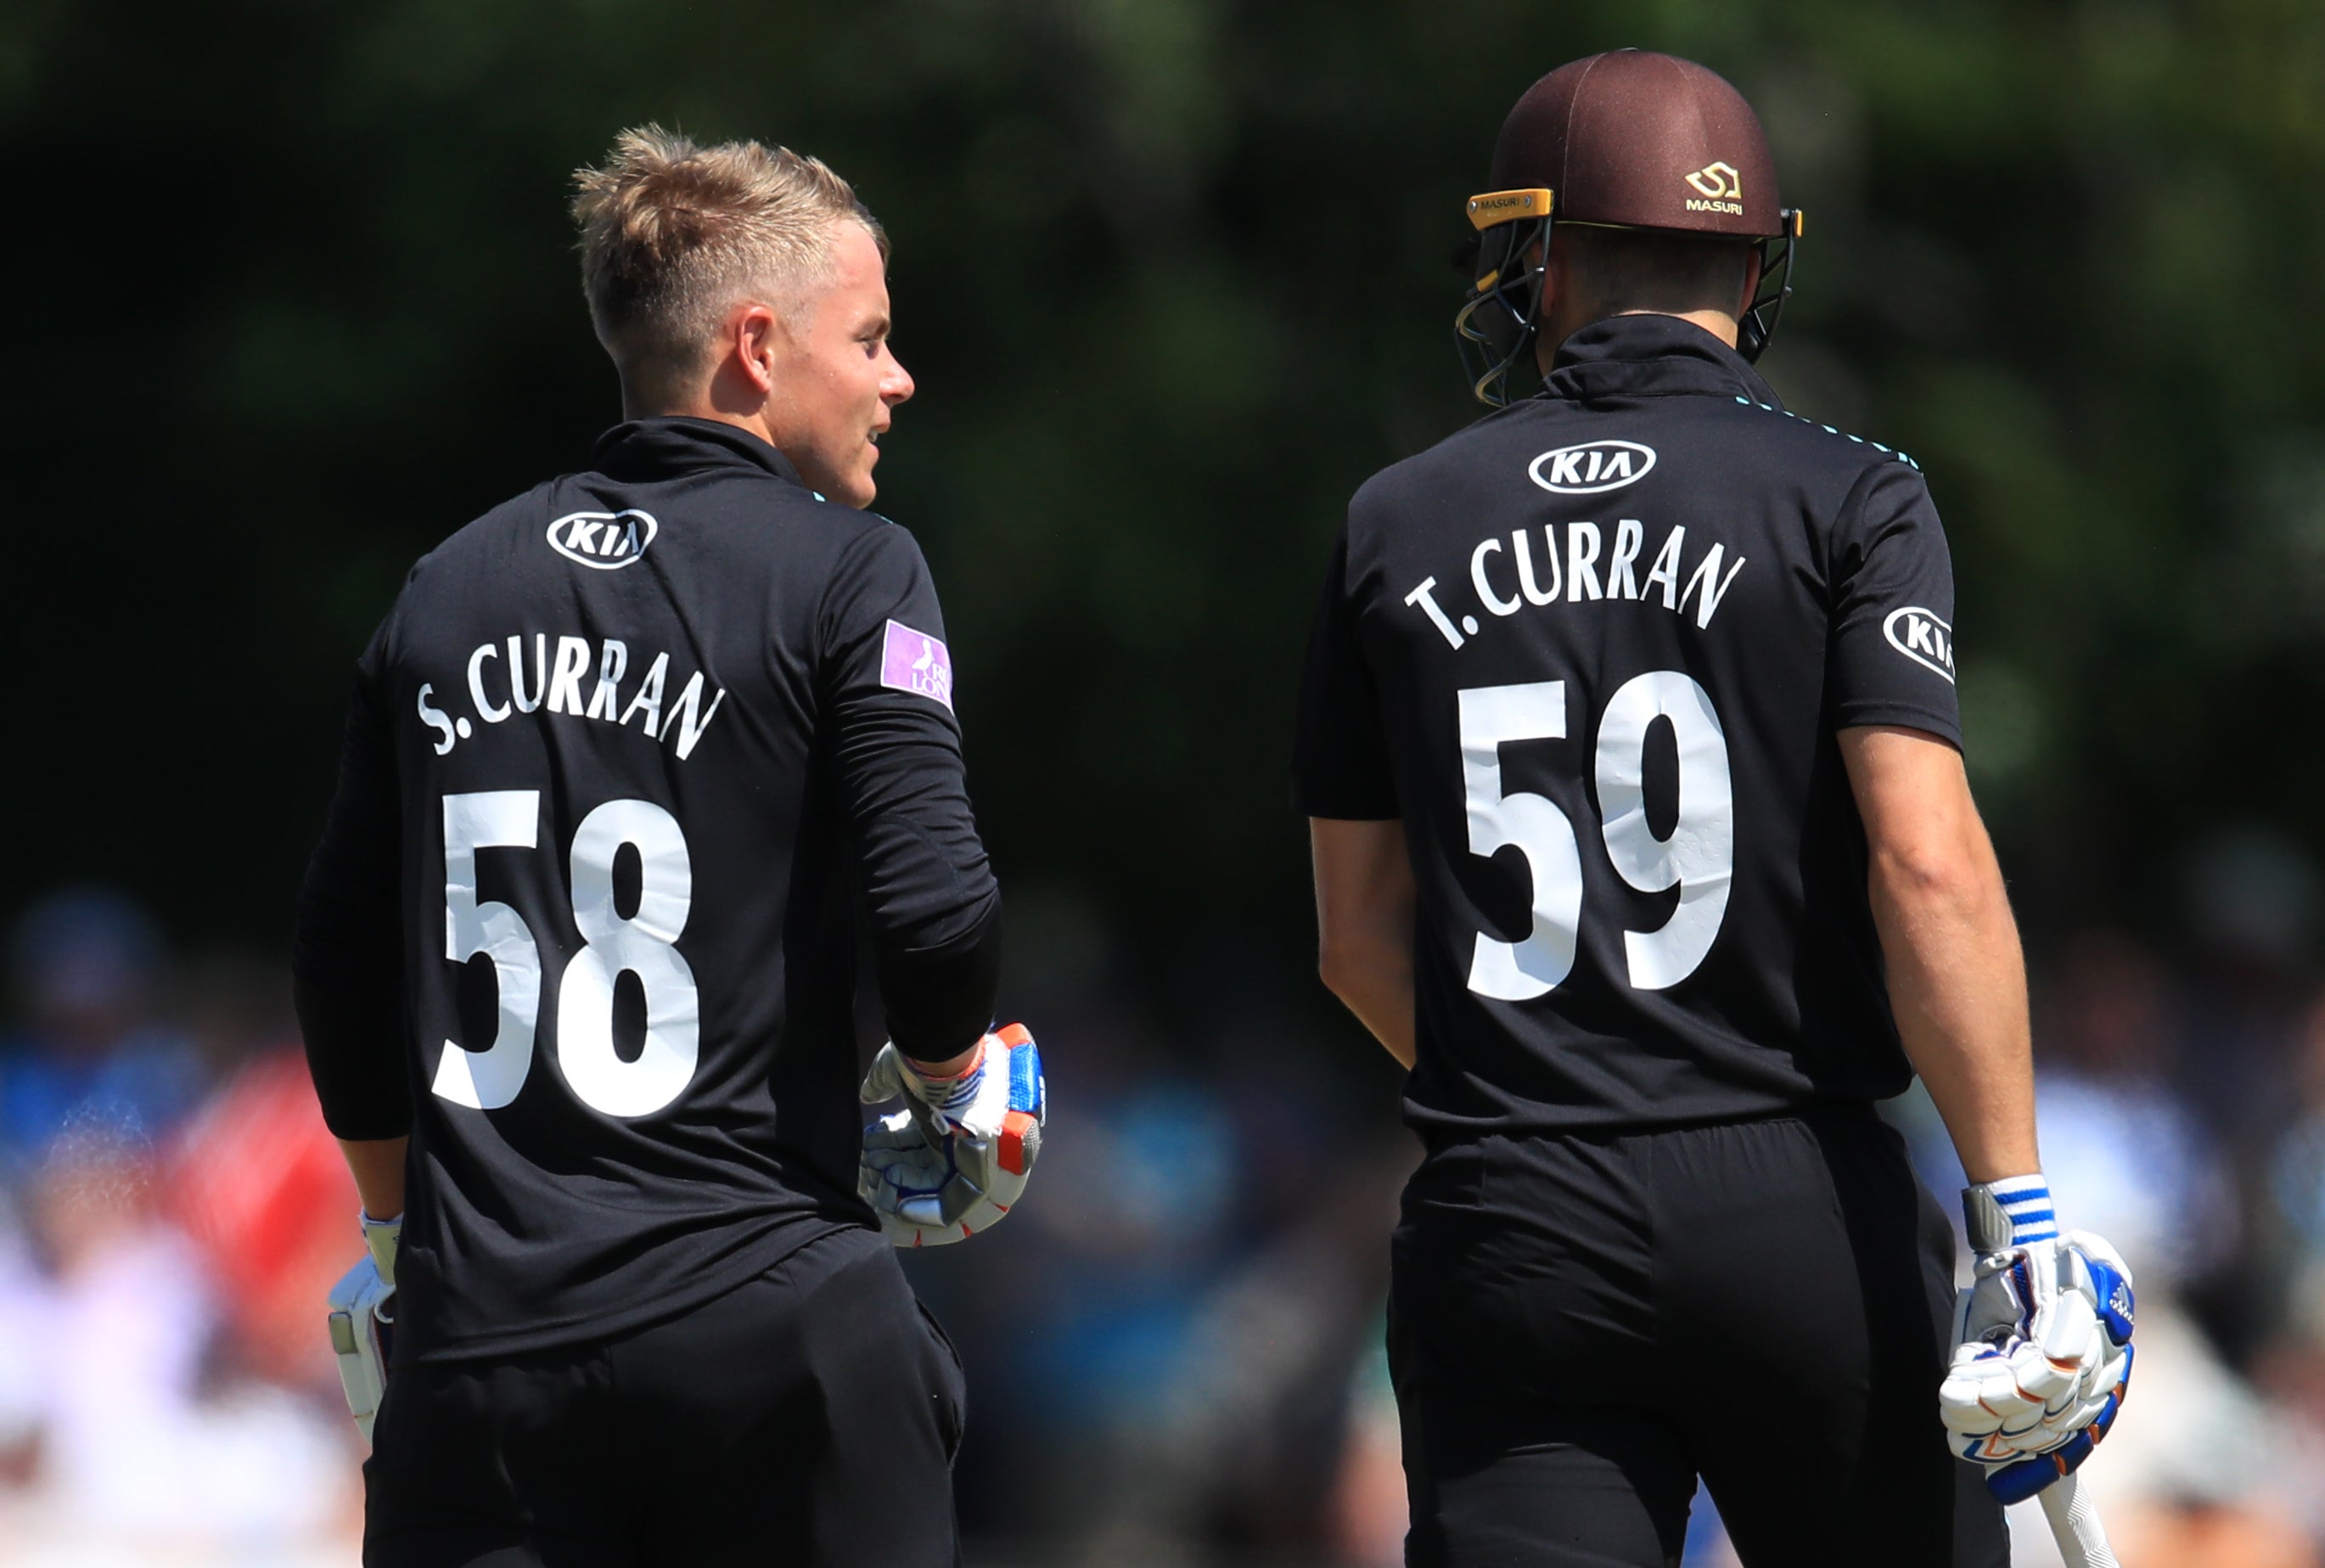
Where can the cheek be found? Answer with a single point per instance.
(848, 388)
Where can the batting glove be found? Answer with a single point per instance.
(953, 1159)
(360, 1312)
(2042, 1358)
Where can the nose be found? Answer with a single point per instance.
(897, 386)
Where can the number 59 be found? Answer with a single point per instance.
(1698, 858)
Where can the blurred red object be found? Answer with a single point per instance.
(257, 1181)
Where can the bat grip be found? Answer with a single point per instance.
(2075, 1525)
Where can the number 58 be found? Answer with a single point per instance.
(643, 944)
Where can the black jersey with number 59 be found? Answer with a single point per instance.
(1593, 651)
(623, 761)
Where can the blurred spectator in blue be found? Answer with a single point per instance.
(2251, 916)
(2297, 1163)
(85, 965)
(2199, 1474)
(2291, 1367)
(2125, 1155)
(1138, 1226)
(1246, 1446)
(1170, 1331)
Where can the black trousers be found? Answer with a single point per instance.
(1581, 1326)
(807, 1419)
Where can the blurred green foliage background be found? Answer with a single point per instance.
(292, 296)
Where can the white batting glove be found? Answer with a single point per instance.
(954, 1158)
(2043, 1354)
(360, 1313)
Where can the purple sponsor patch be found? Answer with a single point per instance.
(916, 662)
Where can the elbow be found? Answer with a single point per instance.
(1932, 877)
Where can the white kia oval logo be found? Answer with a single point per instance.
(1592, 467)
(1922, 637)
(603, 540)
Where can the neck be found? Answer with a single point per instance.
(703, 403)
(1556, 332)
(1718, 323)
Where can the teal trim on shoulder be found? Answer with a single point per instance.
(1830, 430)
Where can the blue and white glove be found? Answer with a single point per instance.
(954, 1158)
(2043, 1354)
(360, 1312)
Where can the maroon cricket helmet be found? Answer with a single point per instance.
(1629, 139)
(1643, 141)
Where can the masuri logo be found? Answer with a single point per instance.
(1718, 181)
(1718, 189)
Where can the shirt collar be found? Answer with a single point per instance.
(674, 444)
(1651, 355)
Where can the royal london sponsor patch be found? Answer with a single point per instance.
(915, 661)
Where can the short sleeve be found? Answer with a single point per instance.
(1890, 658)
(881, 581)
(1340, 757)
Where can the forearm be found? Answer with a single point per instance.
(1958, 986)
(347, 947)
(1365, 902)
(378, 1165)
(931, 905)
(1374, 980)
(351, 1022)
(940, 1000)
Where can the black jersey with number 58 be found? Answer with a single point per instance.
(623, 761)
(1593, 651)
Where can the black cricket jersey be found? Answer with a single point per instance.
(623, 763)
(1593, 651)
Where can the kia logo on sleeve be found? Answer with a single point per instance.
(1921, 637)
(603, 540)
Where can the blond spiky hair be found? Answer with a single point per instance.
(674, 233)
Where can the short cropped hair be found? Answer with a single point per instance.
(1651, 269)
(673, 234)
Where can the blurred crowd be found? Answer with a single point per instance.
(1174, 1352)
(171, 1212)
(2182, 1112)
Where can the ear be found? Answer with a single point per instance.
(754, 343)
(1554, 275)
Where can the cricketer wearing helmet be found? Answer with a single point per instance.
(576, 959)
(1629, 741)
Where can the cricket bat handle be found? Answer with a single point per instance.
(2075, 1524)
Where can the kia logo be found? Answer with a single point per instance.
(602, 540)
(1592, 467)
(1921, 637)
